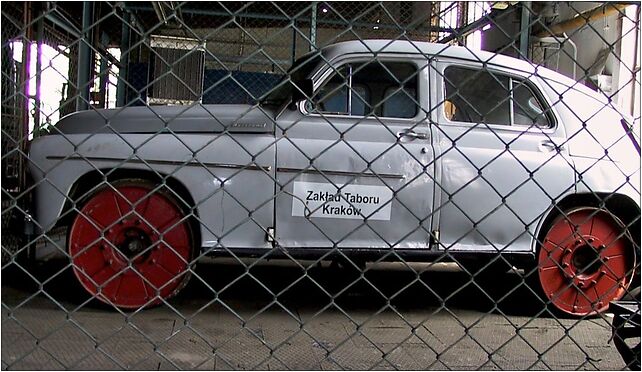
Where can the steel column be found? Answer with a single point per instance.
(85, 58)
(37, 103)
(104, 72)
(525, 30)
(313, 27)
(121, 90)
(293, 41)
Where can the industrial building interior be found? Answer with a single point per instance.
(105, 55)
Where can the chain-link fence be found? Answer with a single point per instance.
(312, 185)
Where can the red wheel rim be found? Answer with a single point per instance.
(130, 246)
(585, 262)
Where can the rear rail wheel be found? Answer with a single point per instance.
(131, 245)
(586, 260)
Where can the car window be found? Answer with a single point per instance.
(477, 96)
(376, 88)
(527, 108)
(484, 96)
(332, 97)
(399, 102)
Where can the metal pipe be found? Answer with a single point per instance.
(582, 19)
(85, 58)
(160, 12)
(25, 72)
(24, 79)
(121, 87)
(293, 41)
(313, 27)
(525, 30)
(104, 72)
(634, 101)
(349, 90)
(511, 107)
(37, 102)
(572, 43)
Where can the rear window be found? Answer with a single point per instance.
(483, 96)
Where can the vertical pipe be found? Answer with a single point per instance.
(462, 19)
(25, 70)
(104, 71)
(293, 40)
(349, 90)
(84, 58)
(37, 102)
(121, 88)
(511, 108)
(25, 73)
(636, 43)
(567, 39)
(313, 27)
(525, 30)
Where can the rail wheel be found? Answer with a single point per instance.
(586, 260)
(131, 245)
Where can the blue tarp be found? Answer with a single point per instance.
(221, 86)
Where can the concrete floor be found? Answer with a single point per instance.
(441, 321)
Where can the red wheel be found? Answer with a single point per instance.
(585, 262)
(131, 246)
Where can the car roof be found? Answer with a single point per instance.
(421, 47)
(376, 46)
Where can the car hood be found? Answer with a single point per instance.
(154, 119)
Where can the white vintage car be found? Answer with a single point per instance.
(438, 151)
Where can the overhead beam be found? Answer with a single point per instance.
(62, 23)
(301, 19)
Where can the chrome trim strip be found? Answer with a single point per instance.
(164, 162)
(342, 173)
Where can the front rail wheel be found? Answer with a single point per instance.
(131, 245)
(586, 260)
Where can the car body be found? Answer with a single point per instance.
(437, 151)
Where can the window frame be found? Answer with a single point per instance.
(349, 99)
(530, 81)
(322, 76)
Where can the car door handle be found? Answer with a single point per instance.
(548, 146)
(412, 135)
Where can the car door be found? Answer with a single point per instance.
(356, 170)
(501, 153)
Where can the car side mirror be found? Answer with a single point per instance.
(302, 90)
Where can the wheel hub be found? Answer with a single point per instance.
(135, 244)
(581, 261)
(132, 240)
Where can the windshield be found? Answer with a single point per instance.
(300, 70)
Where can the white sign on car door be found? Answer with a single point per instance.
(325, 200)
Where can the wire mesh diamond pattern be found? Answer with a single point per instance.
(320, 185)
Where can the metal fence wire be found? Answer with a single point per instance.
(320, 185)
